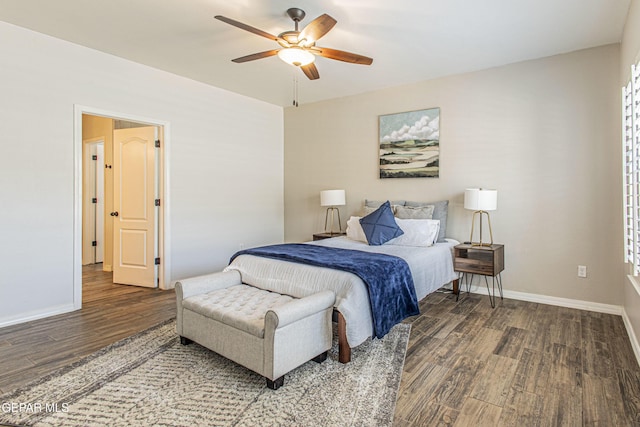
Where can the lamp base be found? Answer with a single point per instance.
(329, 230)
(473, 221)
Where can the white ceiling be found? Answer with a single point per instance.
(409, 40)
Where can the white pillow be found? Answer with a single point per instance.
(354, 229)
(417, 232)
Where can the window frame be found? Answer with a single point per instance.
(631, 169)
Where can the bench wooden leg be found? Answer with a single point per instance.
(344, 351)
(456, 286)
(185, 341)
(275, 384)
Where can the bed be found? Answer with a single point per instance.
(430, 267)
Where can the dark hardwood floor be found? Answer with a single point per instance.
(520, 364)
(109, 313)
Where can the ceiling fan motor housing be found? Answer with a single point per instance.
(296, 14)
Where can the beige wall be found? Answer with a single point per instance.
(544, 133)
(630, 53)
(102, 127)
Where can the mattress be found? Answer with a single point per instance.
(431, 268)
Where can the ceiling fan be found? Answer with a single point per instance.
(299, 48)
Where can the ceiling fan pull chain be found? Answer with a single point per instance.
(295, 91)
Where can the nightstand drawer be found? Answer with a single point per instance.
(467, 265)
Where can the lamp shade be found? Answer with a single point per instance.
(332, 198)
(479, 199)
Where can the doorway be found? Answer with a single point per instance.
(156, 249)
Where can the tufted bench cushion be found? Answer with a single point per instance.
(241, 306)
(264, 331)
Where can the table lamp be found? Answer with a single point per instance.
(480, 201)
(332, 199)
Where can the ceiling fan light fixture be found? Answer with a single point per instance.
(296, 56)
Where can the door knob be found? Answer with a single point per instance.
(114, 213)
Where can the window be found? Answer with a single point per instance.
(631, 168)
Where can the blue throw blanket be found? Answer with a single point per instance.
(388, 278)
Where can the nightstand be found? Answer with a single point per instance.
(321, 236)
(483, 260)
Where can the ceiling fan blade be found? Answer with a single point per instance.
(255, 56)
(317, 28)
(246, 27)
(341, 55)
(310, 71)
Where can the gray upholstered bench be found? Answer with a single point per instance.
(264, 331)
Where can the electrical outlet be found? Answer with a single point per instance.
(582, 271)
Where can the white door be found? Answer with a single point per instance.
(134, 206)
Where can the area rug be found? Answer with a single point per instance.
(150, 379)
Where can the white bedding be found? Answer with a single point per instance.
(431, 267)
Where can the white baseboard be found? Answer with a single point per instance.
(28, 317)
(632, 336)
(544, 299)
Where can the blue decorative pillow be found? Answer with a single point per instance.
(380, 226)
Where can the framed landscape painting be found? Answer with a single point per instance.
(410, 144)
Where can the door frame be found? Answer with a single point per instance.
(90, 176)
(164, 279)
